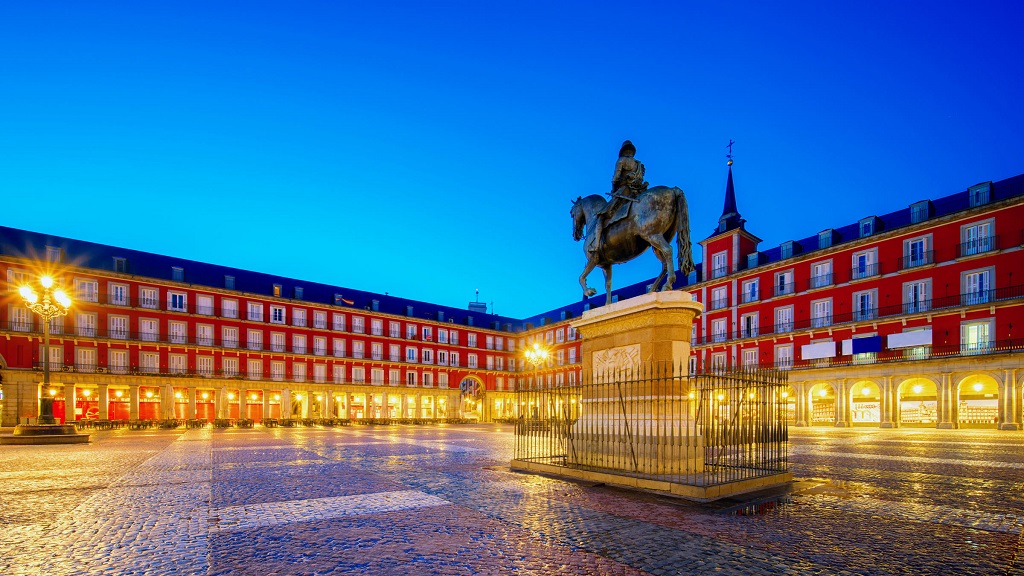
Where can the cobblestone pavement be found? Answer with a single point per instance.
(414, 500)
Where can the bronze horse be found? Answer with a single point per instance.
(657, 215)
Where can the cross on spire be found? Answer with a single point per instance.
(729, 146)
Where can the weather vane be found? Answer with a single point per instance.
(729, 155)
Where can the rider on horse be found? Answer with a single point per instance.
(627, 184)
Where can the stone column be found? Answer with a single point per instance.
(70, 401)
(1008, 403)
(328, 404)
(945, 405)
(103, 399)
(221, 407)
(801, 404)
(844, 412)
(405, 405)
(369, 406)
(885, 404)
(266, 404)
(133, 401)
(286, 403)
(190, 412)
(243, 403)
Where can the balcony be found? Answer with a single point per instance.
(719, 272)
(783, 289)
(821, 321)
(978, 246)
(719, 304)
(865, 271)
(914, 261)
(820, 281)
(277, 346)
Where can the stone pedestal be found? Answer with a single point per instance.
(636, 415)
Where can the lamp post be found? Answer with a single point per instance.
(54, 303)
(536, 355)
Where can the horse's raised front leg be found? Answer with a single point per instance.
(587, 291)
(607, 283)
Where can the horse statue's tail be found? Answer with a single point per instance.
(683, 247)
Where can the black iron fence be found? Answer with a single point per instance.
(703, 430)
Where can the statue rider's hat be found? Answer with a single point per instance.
(627, 146)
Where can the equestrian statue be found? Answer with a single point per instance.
(619, 230)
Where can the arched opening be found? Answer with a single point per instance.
(865, 404)
(787, 398)
(978, 401)
(917, 401)
(823, 404)
(471, 395)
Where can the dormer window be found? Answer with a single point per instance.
(786, 249)
(825, 238)
(979, 194)
(920, 211)
(868, 226)
(53, 254)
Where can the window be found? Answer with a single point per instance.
(358, 325)
(359, 375)
(320, 319)
(229, 366)
(442, 336)
(719, 298)
(339, 347)
(821, 313)
(394, 330)
(865, 264)
(85, 359)
(977, 287)
(976, 336)
(177, 363)
(920, 211)
(255, 311)
(864, 305)
(229, 337)
(254, 369)
(916, 252)
(572, 357)
(177, 332)
(298, 317)
(977, 238)
(863, 357)
(571, 335)
(825, 238)
(428, 356)
(750, 291)
(276, 290)
(277, 342)
(410, 331)
(784, 319)
(276, 314)
(298, 292)
(719, 361)
(319, 373)
(428, 334)
(176, 301)
(86, 290)
(867, 227)
(748, 325)
(149, 330)
(204, 365)
(118, 294)
(753, 260)
(229, 282)
(377, 376)
(394, 376)
(916, 296)
(118, 327)
(338, 322)
(821, 274)
(376, 327)
(53, 254)
(204, 305)
(978, 194)
(358, 349)
(120, 265)
(177, 274)
(784, 356)
(117, 361)
(786, 249)
(471, 339)
(719, 264)
(394, 352)
(148, 298)
(454, 337)
(489, 342)
(489, 362)
(376, 351)
(442, 380)
(719, 330)
(750, 358)
(783, 283)
(338, 373)
(453, 359)
(255, 340)
(149, 362)
(204, 334)
(56, 357)
(471, 361)
(298, 372)
(410, 354)
(428, 379)
(499, 362)
(85, 324)
(229, 308)
(410, 378)
(319, 345)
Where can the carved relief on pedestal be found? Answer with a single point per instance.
(613, 360)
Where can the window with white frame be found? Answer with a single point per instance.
(394, 376)
(376, 327)
(359, 375)
(204, 334)
(976, 287)
(784, 319)
(979, 194)
(864, 304)
(204, 304)
(442, 380)
(748, 325)
(117, 361)
(276, 314)
(821, 313)
(410, 354)
(86, 290)
(917, 251)
(471, 339)
(229, 308)
(570, 334)
(453, 359)
(428, 380)
(358, 349)
(118, 294)
(229, 337)
(499, 363)
(821, 274)
(149, 329)
(149, 362)
(319, 372)
(16, 278)
(784, 356)
(320, 319)
(394, 352)
(85, 324)
(693, 365)
(410, 378)
(977, 238)
(118, 327)
(298, 371)
(917, 296)
(719, 298)
(572, 356)
(255, 311)
(719, 361)
(298, 317)
(21, 319)
(339, 347)
(489, 342)
(358, 324)
(719, 330)
(977, 335)
(299, 343)
(338, 322)
(254, 369)
(338, 373)
(865, 264)
(442, 357)
(177, 332)
(85, 359)
(277, 342)
(376, 351)
(471, 360)
(750, 358)
(428, 334)
(783, 283)
(719, 264)
(453, 336)
(254, 340)
(177, 301)
(377, 376)
(499, 342)
(561, 357)
(177, 363)
(442, 336)
(148, 298)
(204, 365)
(229, 366)
(427, 356)
(319, 345)
(489, 362)
(410, 331)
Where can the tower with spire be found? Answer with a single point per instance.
(727, 248)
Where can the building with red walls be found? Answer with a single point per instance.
(902, 319)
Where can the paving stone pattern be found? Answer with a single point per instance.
(413, 500)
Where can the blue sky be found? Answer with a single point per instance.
(430, 149)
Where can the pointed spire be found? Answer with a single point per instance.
(730, 218)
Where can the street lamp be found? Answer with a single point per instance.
(54, 303)
(536, 355)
